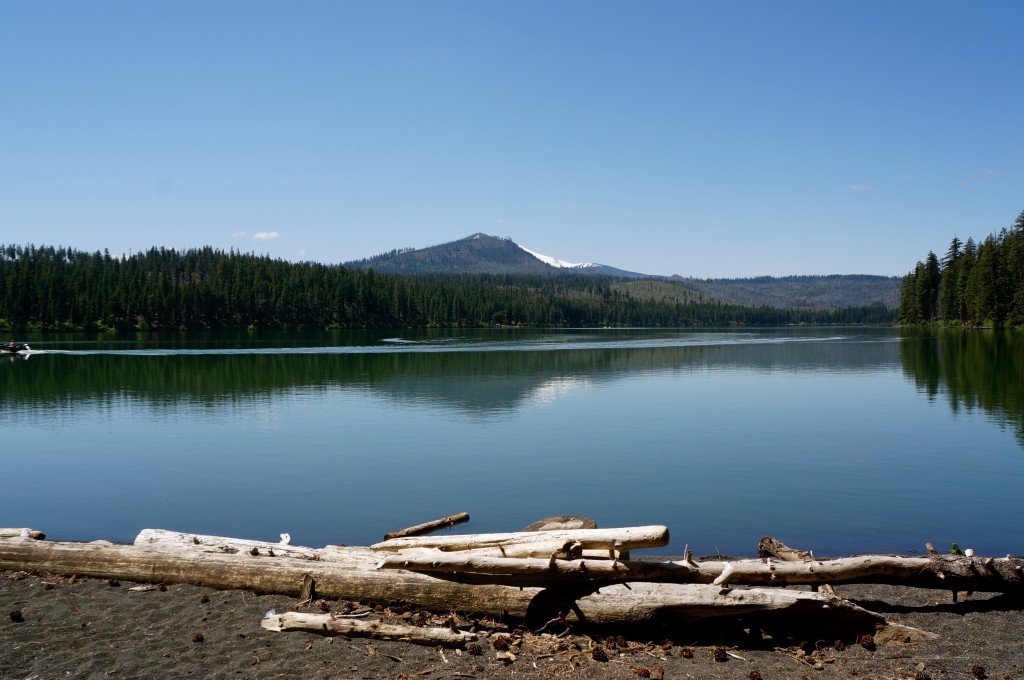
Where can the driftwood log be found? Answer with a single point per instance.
(328, 624)
(161, 540)
(567, 542)
(944, 572)
(430, 527)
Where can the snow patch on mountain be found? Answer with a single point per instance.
(561, 264)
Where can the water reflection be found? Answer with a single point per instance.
(484, 373)
(970, 370)
(479, 375)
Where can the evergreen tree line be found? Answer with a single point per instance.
(973, 285)
(53, 288)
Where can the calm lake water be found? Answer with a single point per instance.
(837, 440)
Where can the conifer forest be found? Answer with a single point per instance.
(56, 288)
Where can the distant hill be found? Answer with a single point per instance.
(802, 292)
(478, 254)
(483, 254)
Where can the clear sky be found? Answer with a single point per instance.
(686, 137)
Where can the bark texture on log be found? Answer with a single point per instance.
(308, 591)
(326, 624)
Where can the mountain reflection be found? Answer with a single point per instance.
(477, 378)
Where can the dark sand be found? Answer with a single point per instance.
(50, 628)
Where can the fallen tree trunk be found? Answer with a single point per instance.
(328, 624)
(937, 571)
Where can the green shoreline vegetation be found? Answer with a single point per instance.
(973, 286)
(45, 288)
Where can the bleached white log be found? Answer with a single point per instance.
(327, 624)
(625, 538)
(539, 550)
(190, 544)
(938, 571)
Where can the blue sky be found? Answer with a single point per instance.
(695, 138)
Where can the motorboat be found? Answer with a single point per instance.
(14, 347)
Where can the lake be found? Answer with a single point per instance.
(837, 440)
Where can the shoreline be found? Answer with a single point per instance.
(89, 628)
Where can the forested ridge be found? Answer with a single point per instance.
(973, 285)
(803, 292)
(55, 288)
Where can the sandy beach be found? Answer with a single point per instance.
(55, 627)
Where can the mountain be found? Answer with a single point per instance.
(483, 254)
(478, 254)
